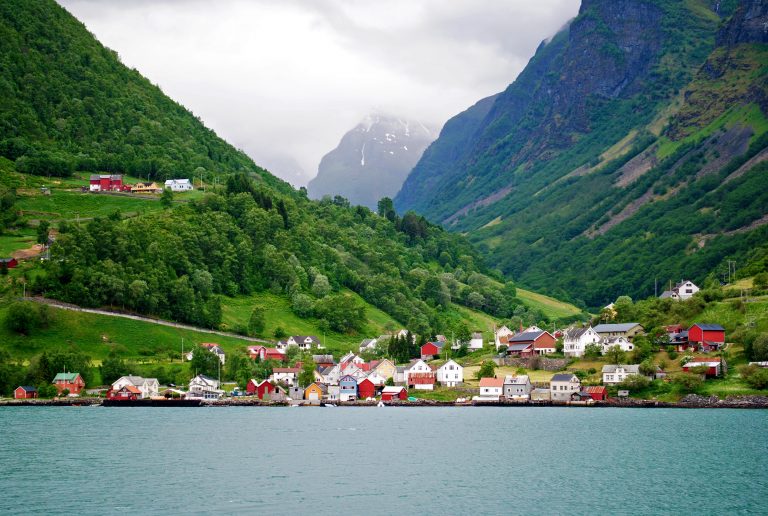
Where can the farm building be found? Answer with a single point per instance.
(708, 336)
(366, 389)
(25, 392)
(394, 393)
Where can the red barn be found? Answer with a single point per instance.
(714, 366)
(394, 393)
(710, 336)
(366, 389)
(105, 182)
(265, 353)
(25, 392)
(597, 392)
(260, 389)
(430, 350)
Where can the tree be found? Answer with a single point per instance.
(760, 281)
(302, 305)
(647, 367)
(385, 206)
(23, 317)
(42, 232)
(760, 348)
(166, 198)
(593, 351)
(687, 381)
(343, 312)
(279, 333)
(256, 321)
(487, 370)
(307, 373)
(390, 382)
(320, 285)
(615, 355)
(204, 362)
(112, 368)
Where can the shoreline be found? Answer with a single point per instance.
(691, 401)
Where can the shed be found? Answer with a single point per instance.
(392, 393)
(597, 392)
(25, 392)
(366, 389)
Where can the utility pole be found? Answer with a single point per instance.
(655, 287)
(731, 265)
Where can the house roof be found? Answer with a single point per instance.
(66, 377)
(526, 336)
(285, 370)
(563, 377)
(575, 332)
(607, 328)
(702, 362)
(519, 347)
(27, 388)
(595, 389)
(516, 380)
(131, 388)
(632, 368)
(322, 358)
(477, 335)
(667, 294)
(392, 390)
(491, 382)
(709, 327)
(438, 345)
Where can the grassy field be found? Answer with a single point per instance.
(236, 312)
(70, 205)
(20, 239)
(549, 306)
(96, 335)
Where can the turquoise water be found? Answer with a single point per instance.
(98, 460)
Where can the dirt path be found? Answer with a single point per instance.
(75, 308)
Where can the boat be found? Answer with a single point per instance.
(328, 405)
(380, 404)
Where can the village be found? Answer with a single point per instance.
(312, 377)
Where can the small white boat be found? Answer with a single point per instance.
(380, 404)
(329, 405)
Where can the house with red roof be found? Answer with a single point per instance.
(491, 387)
(597, 392)
(716, 366)
(264, 389)
(264, 353)
(126, 392)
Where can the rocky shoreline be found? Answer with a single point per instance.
(689, 401)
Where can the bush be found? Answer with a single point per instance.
(593, 351)
(23, 317)
(520, 371)
(672, 354)
(687, 381)
(755, 377)
(635, 382)
(487, 370)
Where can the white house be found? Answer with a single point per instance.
(613, 374)
(148, 386)
(517, 387)
(331, 374)
(532, 329)
(368, 345)
(375, 378)
(476, 342)
(622, 342)
(682, 291)
(202, 386)
(491, 388)
(450, 374)
(178, 185)
(304, 342)
(562, 385)
(501, 335)
(576, 340)
(284, 375)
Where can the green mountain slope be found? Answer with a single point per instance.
(67, 103)
(251, 245)
(629, 150)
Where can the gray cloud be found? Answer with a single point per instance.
(285, 79)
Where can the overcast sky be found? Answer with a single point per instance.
(285, 79)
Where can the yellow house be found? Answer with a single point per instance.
(314, 392)
(145, 188)
(386, 368)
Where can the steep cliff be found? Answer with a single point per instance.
(637, 107)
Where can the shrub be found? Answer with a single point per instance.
(687, 381)
(487, 370)
(23, 317)
(672, 354)
(520, 370)
(635, 382)
(755, 377)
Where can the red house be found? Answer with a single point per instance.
(714, 365)
(264, 353)
(542, 343)
(127, 392)
(430, 350)
(25, 392)
(708, 336)
(260, 389)
(105, 183)
(597, 392)
(521, 350)
(366, 389)
(71, 381)
(8, 263)
(394, 393)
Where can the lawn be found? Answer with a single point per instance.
(13, 241)
(549, 306)
(236, 312)
(96, 335)
(70, 205)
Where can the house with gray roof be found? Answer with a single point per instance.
(517, 387)
(576, 339)
(626, 330)
(617, 373)
(147, 386)
(562, 385)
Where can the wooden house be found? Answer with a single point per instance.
(73, 382)
(430, 350)
(707, 336)
(597, 392)
(25, 392)
(314, 392)
(366, 389)
(394, 393)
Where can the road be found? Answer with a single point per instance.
(75, 308)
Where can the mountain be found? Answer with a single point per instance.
(70, 107)
(630, 149)
(67, 103)
(372, 160)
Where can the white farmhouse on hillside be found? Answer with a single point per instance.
(682, 291)
(613, 374)
(148, 386)
(178, 185)
(576, 340)
(501, 336)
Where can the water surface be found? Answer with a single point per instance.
(535, 460)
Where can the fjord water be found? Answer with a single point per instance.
(98, 460)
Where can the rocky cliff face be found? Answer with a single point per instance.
(636, 109)
(372, 160)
